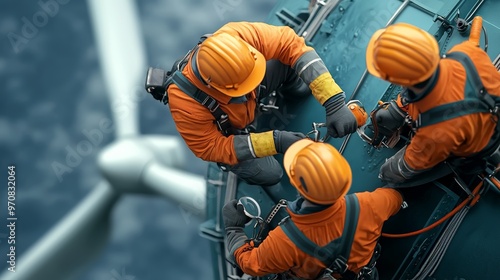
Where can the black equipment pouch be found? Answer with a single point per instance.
(155, 84)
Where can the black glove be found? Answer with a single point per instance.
(390, 118)
(340, 121)
(233, 215)
(235, 238)
(395, 170)
(284, 139)
(390, 174)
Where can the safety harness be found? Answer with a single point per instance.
(158, 81)
(175, 76)
(476, 100)
(335, 254)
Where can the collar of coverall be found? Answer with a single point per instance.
(421, 90)
(303, 206)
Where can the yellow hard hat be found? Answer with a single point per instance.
(318, 171)
(402, 54)
(230, 65)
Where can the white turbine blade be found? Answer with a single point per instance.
(186, 189)
(122, 56)
(148, 165)
(72, 242)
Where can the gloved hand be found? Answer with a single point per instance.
(395, 170)
(234, 220)
(284, 139)
(340, 121)
(233, 215)
(390, 118)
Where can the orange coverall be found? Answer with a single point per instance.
(278, 253)
(461, 136)
(195, 123)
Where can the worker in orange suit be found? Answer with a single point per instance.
(322, 177)
(238, 65)
(446, 127)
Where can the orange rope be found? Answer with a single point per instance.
(495, 181)
(473, 197)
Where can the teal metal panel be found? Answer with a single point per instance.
(432, 6)
(475, 241)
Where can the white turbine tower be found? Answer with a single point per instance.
(132, 164)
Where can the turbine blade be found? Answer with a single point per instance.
(149, 165)
(74, 241)
(122, 56)
(186, 189)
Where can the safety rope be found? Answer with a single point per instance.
(470, 200)
(495, 183)
(437, 253)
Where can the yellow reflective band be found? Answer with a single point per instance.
(263, 144)
(324, 87)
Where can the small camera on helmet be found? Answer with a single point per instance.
(156, 81)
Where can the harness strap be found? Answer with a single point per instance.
(350, 224)
(204, 99)
(476, 99)
(336, 253)
(194, 66)
(450, 111)
(475, 80)
(304, 243)
(176, 77)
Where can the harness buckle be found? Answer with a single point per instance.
(327, 275)
(495, 113)
(340, 265)
(223, 167)
(221, 123)
(365, 273)
(213, 106)
(268, 103)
